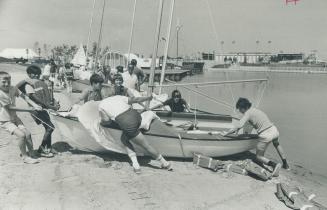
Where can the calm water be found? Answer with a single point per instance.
(295, 102)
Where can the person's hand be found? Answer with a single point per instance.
(56, 106)
(224, 133)
(38, 108)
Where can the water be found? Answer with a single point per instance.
(295, 102)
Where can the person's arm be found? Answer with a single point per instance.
(29, 101)
(132, 100)
(187, 107)
(238, 125)
(142, 77)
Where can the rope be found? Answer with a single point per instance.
(181, 145)
(43, 121)
(261, 96)
(207, 96)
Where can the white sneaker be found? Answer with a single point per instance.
(29, 160)
(275, 173)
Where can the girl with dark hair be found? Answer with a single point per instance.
(176, 103)
(266, 130)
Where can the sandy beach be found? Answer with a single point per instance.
(79, 180)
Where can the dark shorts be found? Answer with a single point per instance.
(42, 117)
(129, 121)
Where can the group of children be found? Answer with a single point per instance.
(37, 95)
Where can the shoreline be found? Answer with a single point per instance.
(267, 69)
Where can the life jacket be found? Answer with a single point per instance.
(40, 87)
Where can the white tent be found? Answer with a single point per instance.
(18, 53)
(80, 57)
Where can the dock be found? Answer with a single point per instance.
(171, 74)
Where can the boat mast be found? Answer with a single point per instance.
(100, 36)
(155, 49)
(90, 30)
(132, 30)
(167, 45)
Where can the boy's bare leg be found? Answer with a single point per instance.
(260, 152)
(132, 155)
(29, 142)
(141, 141)
(21, 141)
(281, 153)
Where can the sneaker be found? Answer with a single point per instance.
(275, 173)
(29, 160)
(168, 167)
(45, 152)
(137, 170)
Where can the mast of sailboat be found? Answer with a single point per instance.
(100, 36)
(167, 45)
(90, 31)
(155, 49)
(132, 30)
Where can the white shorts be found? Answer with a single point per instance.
(11, 127)
(269, 134)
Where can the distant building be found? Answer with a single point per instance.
(243, 57)
(289, 57)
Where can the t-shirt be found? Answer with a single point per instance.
(41, 91)
(5, 100)
(176, 107)
(130, 81)
(114, 106)
(257, 118)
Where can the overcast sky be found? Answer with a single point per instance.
(290, 28)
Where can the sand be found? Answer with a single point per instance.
(79, 180)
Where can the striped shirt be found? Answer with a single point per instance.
(257, 118)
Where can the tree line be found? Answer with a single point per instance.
(64, 53)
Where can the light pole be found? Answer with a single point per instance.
(178, 27)
(27, 54)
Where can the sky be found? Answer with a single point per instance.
(205, 23)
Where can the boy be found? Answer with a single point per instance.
(266, 130)
(119, 109)
(9, 119)
(38, 91)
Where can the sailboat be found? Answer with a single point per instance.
(173, 134)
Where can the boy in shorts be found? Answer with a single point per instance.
(9, 120)
(37, 90)
(266, 130)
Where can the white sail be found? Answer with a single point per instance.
(80, 57)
